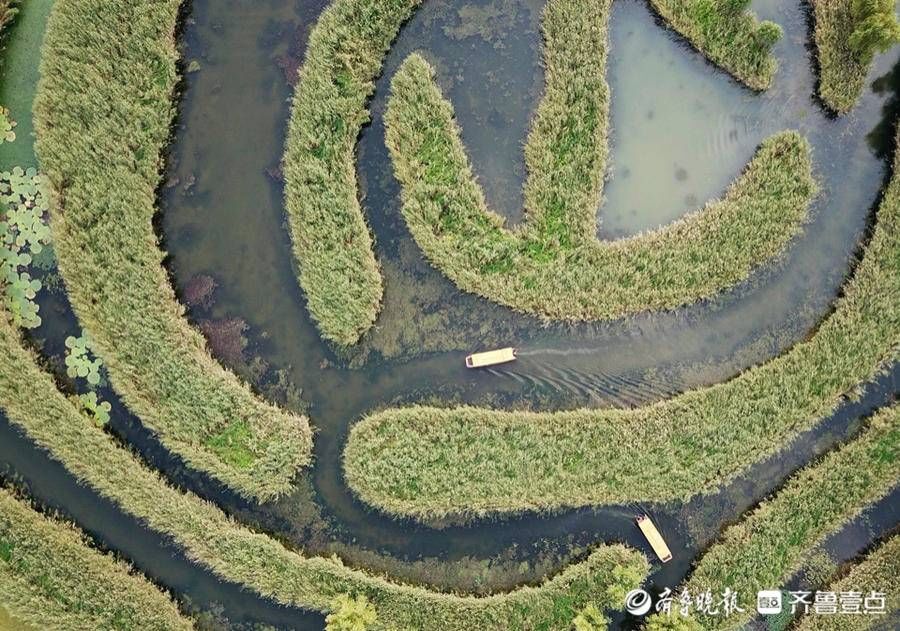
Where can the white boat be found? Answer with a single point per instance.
(491, 358)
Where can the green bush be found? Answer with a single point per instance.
(351, 614)
(102, 115)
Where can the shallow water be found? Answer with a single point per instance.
(222, 217)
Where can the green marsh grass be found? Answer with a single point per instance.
(554, 266)
(261, 564)
(442, 464)
(51, 578)
(331, 240)
(332, 243)
(728, 34)
(103, 112)
(842, 71)
(878, 572)
(769, 546)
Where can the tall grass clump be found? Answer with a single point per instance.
(51, 578)
(32, 403)
(554, 266)
(455, 463)
(877, 572)
(102, 115)
(728, 34)
(331, 241)
(848, 33)
(769, 546)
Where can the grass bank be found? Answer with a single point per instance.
(770, 544)
(728, 34)
(554, 266)
(265, 566)
(877, 572)
(52, 579)
(842, 73)
(332, 243)
(331, 240)
(433, 463)
(103, 111)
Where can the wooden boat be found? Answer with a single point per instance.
(491, 358)
(654, 538)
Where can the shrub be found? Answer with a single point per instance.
(351, 614)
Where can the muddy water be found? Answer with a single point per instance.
(222, 217)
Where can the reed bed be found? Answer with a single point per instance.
(331, 241)
(259, 563)
(51, 578)
(878, 572)
(842, 73)
(728, 34)
(554, 266)
(102, 115)
(433, 463)
(770, 544)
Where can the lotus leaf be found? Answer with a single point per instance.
(97, 410)
(24, 232)
(80, 360)
(6, 126)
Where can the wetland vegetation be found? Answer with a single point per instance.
(879, 568)
(433, 463)
(132, 428)
(99, 144)
(554, 266)
(262, 564)
(50, 577)
(765, 549)
(848, 33)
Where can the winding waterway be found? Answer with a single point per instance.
(682, 130)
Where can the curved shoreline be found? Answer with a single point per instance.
(553, 266)
(430, 463)
(99, 143)
(331, 240)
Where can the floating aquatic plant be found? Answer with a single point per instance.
(81, 363)
(6, 126)
(23, 233)
(93, 407)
